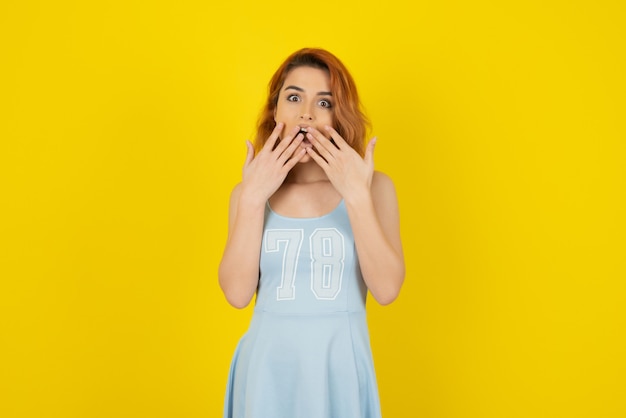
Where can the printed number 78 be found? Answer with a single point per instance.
(327, 260)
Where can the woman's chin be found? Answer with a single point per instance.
(306, 158)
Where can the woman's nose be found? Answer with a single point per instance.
(306, 113)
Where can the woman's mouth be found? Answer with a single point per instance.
(305, 141)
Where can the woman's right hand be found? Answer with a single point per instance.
(264, 173)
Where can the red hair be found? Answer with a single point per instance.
(348, 118)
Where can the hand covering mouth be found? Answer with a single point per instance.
(305, 140)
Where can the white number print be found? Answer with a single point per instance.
(327, 260)
(292, 238)
(327, 254)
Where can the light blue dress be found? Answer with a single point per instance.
(306, 353)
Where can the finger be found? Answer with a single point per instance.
(337, 139)
(287, 140)
(271, 140)
(249, 153)
(322, 144)
(291, 149)
(369, 151)
(320, 148)
(322, 139)
(291, 162)
(321, 161)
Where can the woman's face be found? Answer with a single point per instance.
(305, 100)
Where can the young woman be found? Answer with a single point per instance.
(312, 228)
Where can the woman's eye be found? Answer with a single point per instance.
(293, 98)
(325, 103)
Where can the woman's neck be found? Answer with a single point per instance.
(309, 172)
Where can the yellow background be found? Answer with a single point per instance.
(122, 131)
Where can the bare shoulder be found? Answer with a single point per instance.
(382, 187)
(385, 203)
(233, 203)
(235, 192)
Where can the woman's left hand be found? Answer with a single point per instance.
(346, 170)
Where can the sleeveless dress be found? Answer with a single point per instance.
(306, 353)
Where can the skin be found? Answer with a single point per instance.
(307, 177)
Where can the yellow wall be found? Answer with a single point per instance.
(122, 131)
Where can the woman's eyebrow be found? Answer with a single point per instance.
(300, 89)
(295, 88)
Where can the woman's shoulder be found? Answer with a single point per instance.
(379, 176)
(234, 194)
(382, 183)
(384, 193)
(236, 188)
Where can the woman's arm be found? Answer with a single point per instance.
(262, 176)
(375, 222)
(372, 208)
(239, 268)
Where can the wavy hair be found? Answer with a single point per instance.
(348, 117)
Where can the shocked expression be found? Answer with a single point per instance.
(305, 100)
